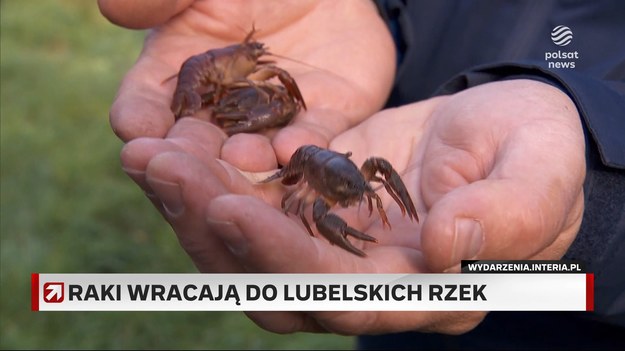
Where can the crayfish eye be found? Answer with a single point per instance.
(259, 48)
(344, 188)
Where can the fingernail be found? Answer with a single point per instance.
(139, 177)
(150, 195)
(170, 195)
(467, 241)
(231, 235)
(133, 172)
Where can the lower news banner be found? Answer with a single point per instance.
(485, 291)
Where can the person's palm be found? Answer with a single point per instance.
(206, 199)
(495, 171)
(347, 66)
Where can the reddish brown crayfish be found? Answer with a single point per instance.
(221, 79)
(326, 178)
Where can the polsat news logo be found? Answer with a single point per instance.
(561, 36)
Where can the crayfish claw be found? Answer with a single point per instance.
(360, 235)
(333, 228)
(392, 183)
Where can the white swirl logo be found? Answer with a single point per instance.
(561, 35)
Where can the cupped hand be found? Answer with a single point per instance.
(345, 69)
(496, 172)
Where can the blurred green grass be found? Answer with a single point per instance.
(65, 204)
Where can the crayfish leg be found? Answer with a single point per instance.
(270, 71)
(380, 208)
(300, 210)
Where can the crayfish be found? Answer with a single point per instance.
(249, 109)
(219, 77)
(326, 178)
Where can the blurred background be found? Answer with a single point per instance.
(66, 206)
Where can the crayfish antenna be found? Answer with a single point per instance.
(169, 78)
(274, 176)
(249, 35)
(300, 62)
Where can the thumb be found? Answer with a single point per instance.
(493, 219)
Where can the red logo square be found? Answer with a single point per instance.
(53, 292)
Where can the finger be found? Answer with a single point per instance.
(316, 127)
(266, 240)
(141, 107)
(141, 14)
(278, 322)
(284, 322)
(185, 187)
(249, 152)
(368, 322)
(374, 322)
(135, 157)
(253, 231)
(465, 224)
(188, 138)
(198, 138)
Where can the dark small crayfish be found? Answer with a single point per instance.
(326, 178)
(249, 109)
